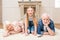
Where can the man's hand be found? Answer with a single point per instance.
(46, 33)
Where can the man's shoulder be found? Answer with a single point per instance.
(51, 21)
(40, 20)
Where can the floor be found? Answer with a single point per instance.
(1, 25)
(20, 36)
(57, 26)
(30, 37)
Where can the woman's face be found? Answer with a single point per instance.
(30, 11)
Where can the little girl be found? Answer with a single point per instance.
(21, 25)
(13, 28)
(30, 22)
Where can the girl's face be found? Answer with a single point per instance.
(30, 11)
(10, 27)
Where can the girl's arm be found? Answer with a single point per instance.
(35, 30)
(36, 26)
(26, 27)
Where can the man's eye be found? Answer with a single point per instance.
(47, 19)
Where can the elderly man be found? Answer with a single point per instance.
(46, 25)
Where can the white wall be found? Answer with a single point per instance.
(0, 11)
(57, 15)
(11, 10)
(48, 6)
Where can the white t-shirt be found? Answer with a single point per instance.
(45, 29)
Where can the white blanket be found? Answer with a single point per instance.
(29, 37)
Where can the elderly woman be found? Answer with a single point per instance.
(46, 25)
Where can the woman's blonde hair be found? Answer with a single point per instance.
(34, 18)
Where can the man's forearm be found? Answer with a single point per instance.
(51, 32)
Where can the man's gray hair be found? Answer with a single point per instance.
(45, 14)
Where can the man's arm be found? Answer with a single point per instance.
(51, 32)
(39, 27)
(51, 29)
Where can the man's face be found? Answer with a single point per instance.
(45, 20)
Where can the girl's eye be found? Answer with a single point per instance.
(43, 19)
(46, 19)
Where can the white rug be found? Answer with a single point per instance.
(29, 37)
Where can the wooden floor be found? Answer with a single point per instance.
(1, 26)
(56, 25)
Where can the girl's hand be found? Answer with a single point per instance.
(26, 34)
(6, 34)
(35, 33)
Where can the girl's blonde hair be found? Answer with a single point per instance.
(34, 18)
